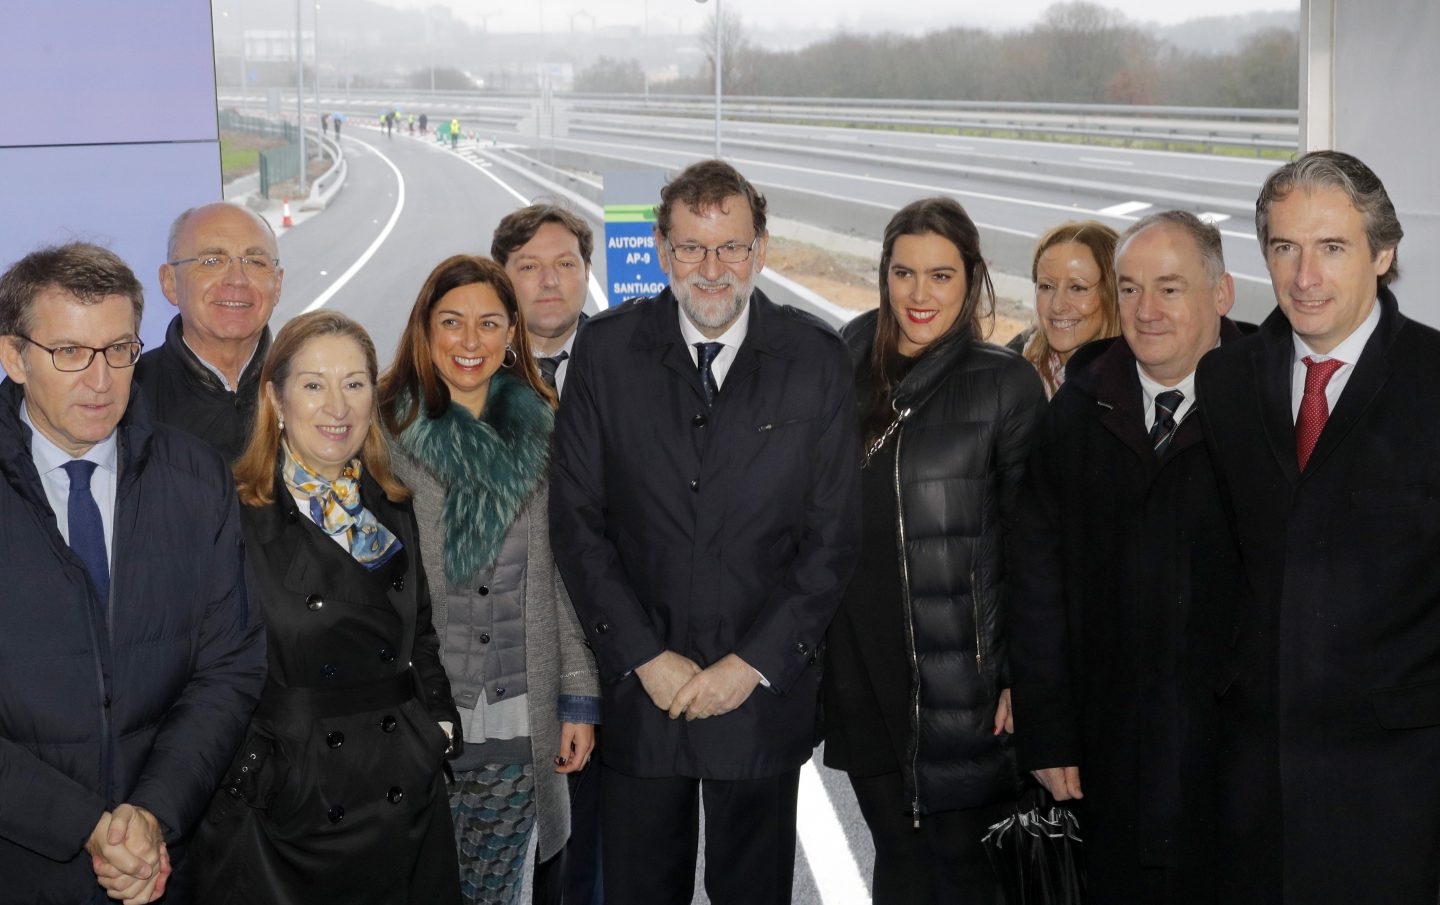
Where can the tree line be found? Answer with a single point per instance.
(1077, 52)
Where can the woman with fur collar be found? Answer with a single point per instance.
(469, 420)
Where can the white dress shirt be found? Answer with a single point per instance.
(50, 461)
(1150, 388)
(564, 367)
(1348, 351)
(730, 339)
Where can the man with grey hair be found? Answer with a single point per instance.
(222, 271)
(1119, 608)
(1324, 433)
(705, 516)
(129, 655)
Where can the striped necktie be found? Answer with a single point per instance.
(1166, 405)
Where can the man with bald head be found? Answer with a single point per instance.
(222, 270)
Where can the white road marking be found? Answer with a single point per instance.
(597, 292)
(1213, 216)
(837, 876)
(369, 253)
(1109, 162)
(1125, 209)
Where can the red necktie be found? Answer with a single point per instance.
(1313, 407)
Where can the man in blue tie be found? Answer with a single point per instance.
(129, 655)
(1127, 564)
(705, 514)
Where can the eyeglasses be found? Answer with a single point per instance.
(254, 265)
(729, 253)
(78, 358)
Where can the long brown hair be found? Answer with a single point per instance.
(943, 217)
(412, 374)
(1100, 240)
(255, 470)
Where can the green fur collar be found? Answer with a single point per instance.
(489, 466)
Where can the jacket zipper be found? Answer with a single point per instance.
(914, 746)
(975, 604)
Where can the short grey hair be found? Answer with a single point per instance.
(1205, 235)
(1337, 170)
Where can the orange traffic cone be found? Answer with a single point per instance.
(287, 222)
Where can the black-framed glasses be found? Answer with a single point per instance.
(729, 253)
(254, 265)
(78, 358)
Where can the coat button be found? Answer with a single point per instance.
(602, 627)
(334, 738)
(387, 655)
(483, 591)
(699, 421)
(399, 583)
(336, 813)
(388, 724)
(235, 787)
(694, 486)
(314, 602)
(500, 692)
(801, 648)
(328, 671)
(484, 637)
(290, 516)
(395, 794)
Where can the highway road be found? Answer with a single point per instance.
(408, 203)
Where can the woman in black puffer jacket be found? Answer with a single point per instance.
(916, 695)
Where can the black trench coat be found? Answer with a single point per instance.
(337, 794)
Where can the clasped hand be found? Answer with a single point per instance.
(128, 854)
(677, 685)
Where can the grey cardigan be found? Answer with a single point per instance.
(557, 662)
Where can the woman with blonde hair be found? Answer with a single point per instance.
(469, 419)
(1076, 299)
(338, 794)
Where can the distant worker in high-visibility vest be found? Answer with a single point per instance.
(454, 133)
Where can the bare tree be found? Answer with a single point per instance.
(734, 48)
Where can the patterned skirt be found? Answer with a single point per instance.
(493, 810)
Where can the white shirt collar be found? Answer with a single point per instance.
(48, 456)
(1350, 347)
(731, 338)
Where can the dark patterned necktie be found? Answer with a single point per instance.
(705, 358)
(549, 365)
(1314, 408)
(1166, 404)
(87, 532)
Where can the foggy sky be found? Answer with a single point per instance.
(668, 16)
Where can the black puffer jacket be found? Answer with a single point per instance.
(960, 456)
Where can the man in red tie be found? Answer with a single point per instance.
(1324, 435)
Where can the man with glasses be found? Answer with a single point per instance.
(222, 270)
(129, 656)
(705, 515)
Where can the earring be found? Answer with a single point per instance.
(282, 424)
(510, 361)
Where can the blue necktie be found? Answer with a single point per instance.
(706, 357)
(87, 532)
(1163, 431)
